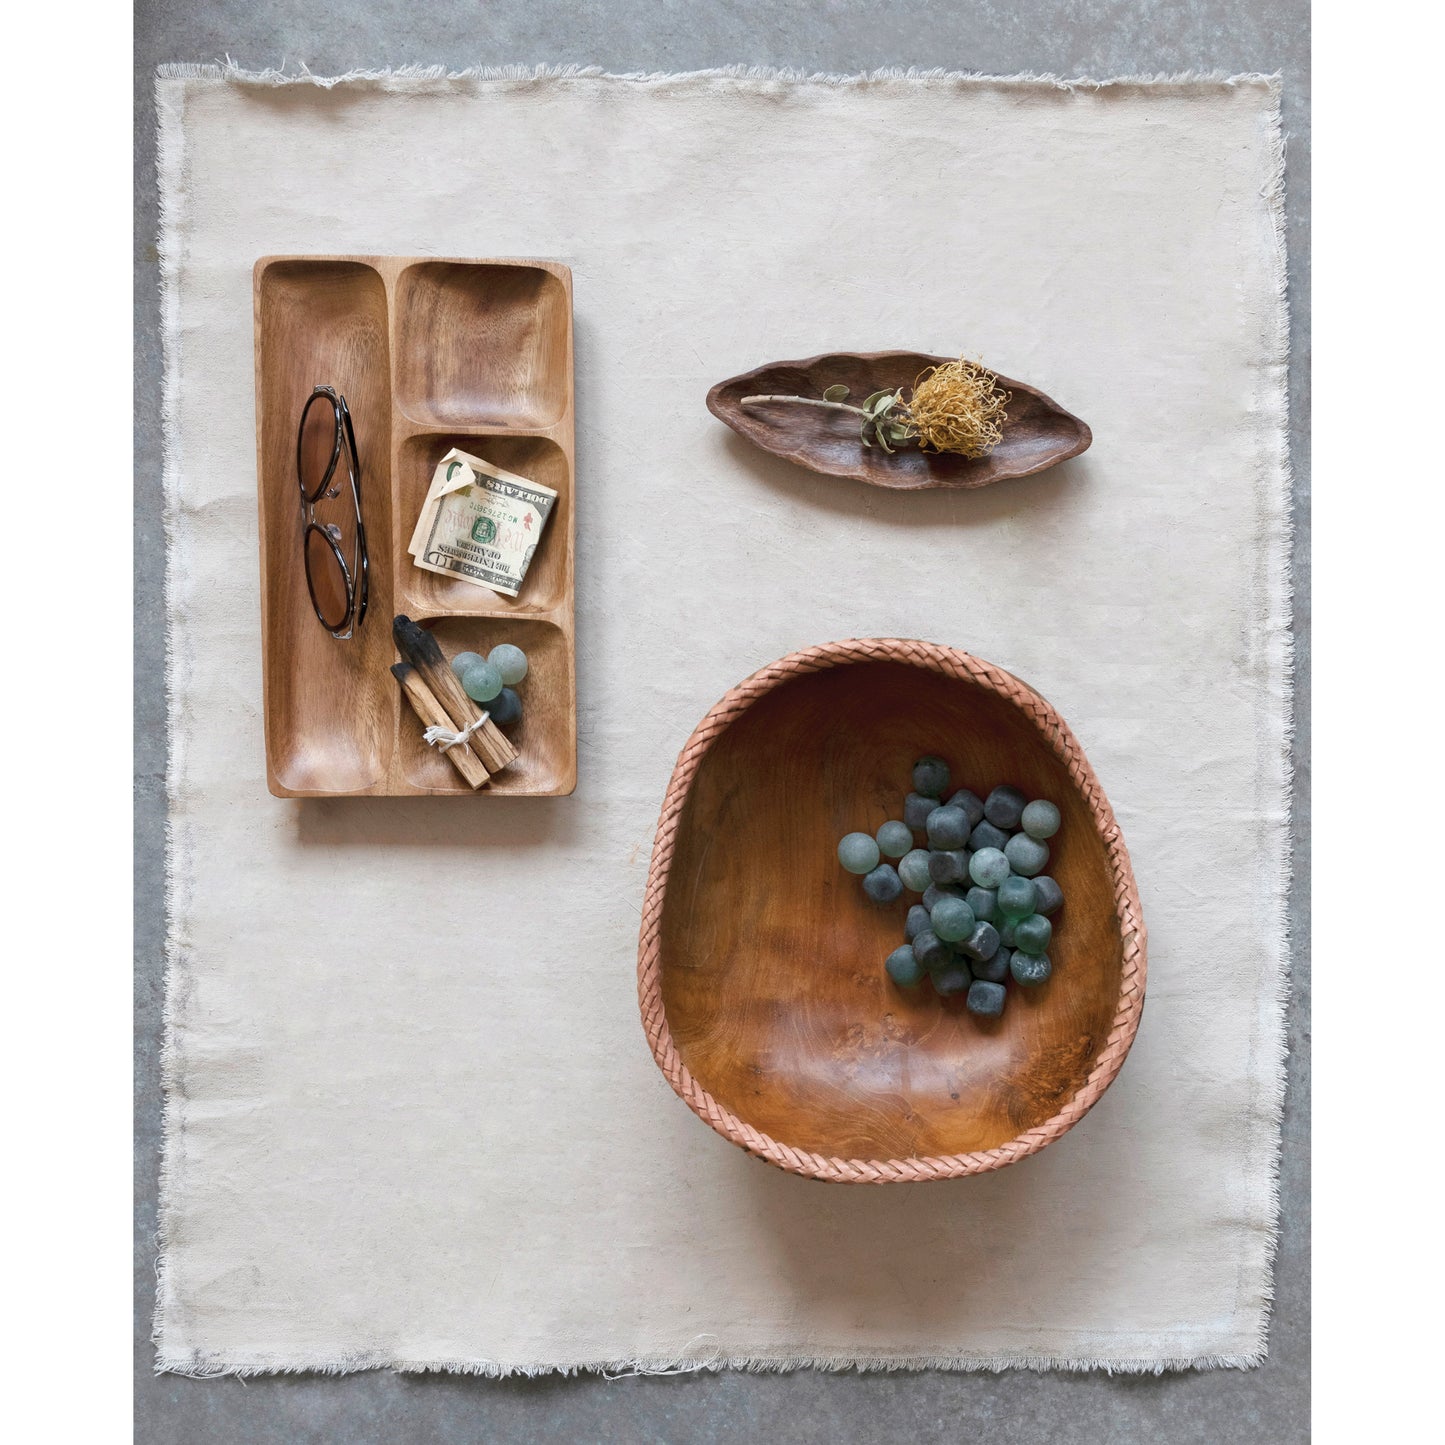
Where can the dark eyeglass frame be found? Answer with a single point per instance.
(358, 574)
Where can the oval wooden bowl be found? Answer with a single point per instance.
(760, 965)
(1039, 433)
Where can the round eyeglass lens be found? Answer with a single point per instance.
(326, 577)
(317, 447)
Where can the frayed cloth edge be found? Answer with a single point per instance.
(170, 169)
(193, 1368)
(227, 71)
(1280, 642)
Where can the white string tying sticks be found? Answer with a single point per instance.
(444, 738)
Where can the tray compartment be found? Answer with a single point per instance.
(545, 738)
(329, 727)
(549, 579)
(483, 344)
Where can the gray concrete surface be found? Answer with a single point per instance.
(1072, 37)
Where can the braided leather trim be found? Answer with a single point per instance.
(1055, 732)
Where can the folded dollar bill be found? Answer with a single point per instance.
(480, 523)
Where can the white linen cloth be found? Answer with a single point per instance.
(411, 1116)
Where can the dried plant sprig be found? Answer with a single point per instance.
(957, 407)
(881, 424)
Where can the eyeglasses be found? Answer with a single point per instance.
(331, 533)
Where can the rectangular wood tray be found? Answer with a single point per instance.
(430, 353)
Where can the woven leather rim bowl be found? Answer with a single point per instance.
(760, 963)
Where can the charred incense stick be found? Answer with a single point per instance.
(420, 649)
(425, 705)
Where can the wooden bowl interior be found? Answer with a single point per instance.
(481, 345)
(1038, 434)
(772, 957)
(329, 726)
(546, 763)
(536, 458)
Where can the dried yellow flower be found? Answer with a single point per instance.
(957, 407)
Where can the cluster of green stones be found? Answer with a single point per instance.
(986, 901)
(490, 680)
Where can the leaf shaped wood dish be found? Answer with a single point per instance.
(1039, 433)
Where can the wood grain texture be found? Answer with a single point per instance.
(430, 354)
(1039, 433)
(761, 962)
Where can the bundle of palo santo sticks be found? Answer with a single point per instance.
(437, 698)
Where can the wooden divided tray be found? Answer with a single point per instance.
(430, 354)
